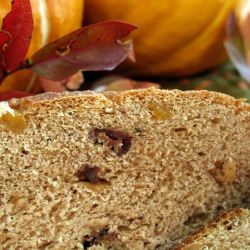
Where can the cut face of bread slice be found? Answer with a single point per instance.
(229, 231)
(131, 170)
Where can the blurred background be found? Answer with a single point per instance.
(184, 44)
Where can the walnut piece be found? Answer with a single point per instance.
(180, 129)
(90, 174)
(119, 141)
(98, 237)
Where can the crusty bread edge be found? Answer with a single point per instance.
(220, 221)
(213, 97)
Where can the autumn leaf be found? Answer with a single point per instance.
(4, 39)
(2, 74)
(4, 96)
(234, 45)
(15, 35)
(243, 14)
(233, 33)
(91, 48)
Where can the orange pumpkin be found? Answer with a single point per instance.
(179, 37)
(52, 19)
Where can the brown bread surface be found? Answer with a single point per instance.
(133, 170)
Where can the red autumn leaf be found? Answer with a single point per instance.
(4, 96)
(2, 75)
(4, 39)
(91, 48)
(16, 35)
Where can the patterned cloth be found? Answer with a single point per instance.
(225, 79)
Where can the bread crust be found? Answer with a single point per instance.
(221, 220)
(214, 97)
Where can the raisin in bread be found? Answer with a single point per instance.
(230, 231)
(133, 170)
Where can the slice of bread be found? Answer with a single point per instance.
(133, 170)
(230, 231)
